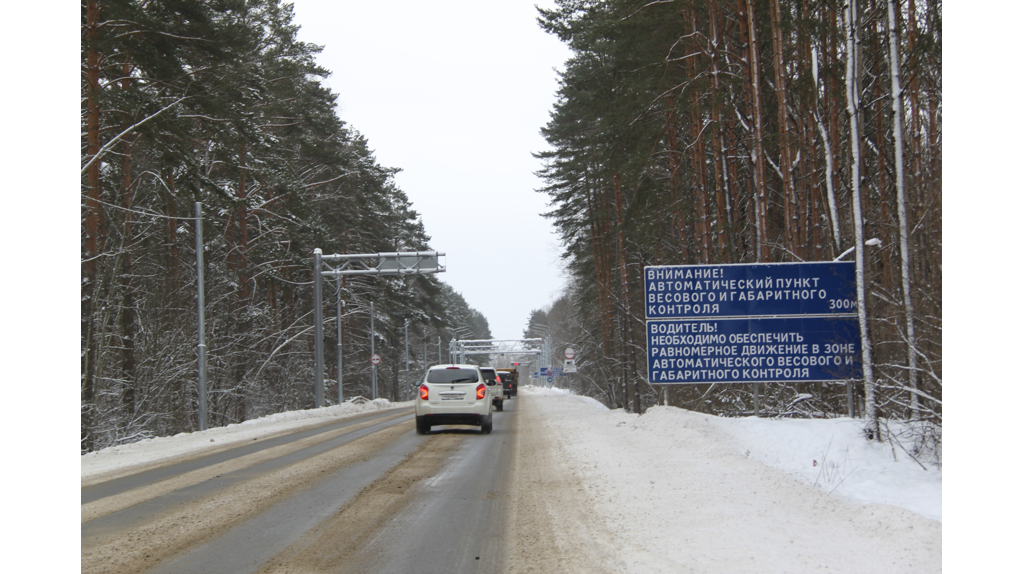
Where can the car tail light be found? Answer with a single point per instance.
(481, 391)
(424, 392)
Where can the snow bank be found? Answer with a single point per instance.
(829, 454)
(150, 450)
(833, 455)
(682, 491)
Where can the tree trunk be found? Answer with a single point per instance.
(675, 180)
(624, 277)
(852, 109)
(901, 208)
(700, 175)
(883, 179)
(243, 228)
(128, 315)
(761, 194)
(723, 229)
(92, 207)
(602, 287)
(785, 161)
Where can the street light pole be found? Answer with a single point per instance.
(373, 368)
(201, 346)
(339, 304)
(402, 394)
(318, 332)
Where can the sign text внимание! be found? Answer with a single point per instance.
(749, 290)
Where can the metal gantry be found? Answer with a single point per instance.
(396, 263)
(458, 349)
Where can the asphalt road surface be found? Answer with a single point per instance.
(363, 494)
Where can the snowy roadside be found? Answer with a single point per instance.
(154, 449)
(680, 491)
(828, 454)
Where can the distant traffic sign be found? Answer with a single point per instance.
(570, 353)
(750, 290)
(551, 379)
(375, 359)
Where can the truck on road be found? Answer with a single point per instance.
(509, 381)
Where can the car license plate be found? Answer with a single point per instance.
(452, 396)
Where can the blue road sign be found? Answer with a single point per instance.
(544, 371)
(745, 290)
(551, 379)
(558, 372)
(746, 350)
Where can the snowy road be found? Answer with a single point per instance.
(363, 493)
(561, 485)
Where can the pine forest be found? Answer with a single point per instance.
(743, 131)
(682, 132)
(186, 101)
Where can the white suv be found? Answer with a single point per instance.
(491, 378)
(454, 395)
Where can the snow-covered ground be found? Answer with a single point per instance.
(829, 454)
(672, 487)
(676, 491)
(151, 450)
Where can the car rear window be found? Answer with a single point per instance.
(452, 376)
(489, 375)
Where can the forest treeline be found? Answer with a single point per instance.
(216, 101)
(735, 131)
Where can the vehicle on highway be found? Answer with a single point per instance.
(509, 381)
(454, 395)
(494, 386)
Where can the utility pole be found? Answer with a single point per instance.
(402, 394)
(201, 347)
(318, 330)
(373, 368)
(339, 304)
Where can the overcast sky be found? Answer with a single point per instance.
(454, 93)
